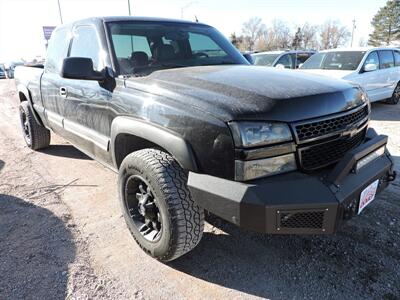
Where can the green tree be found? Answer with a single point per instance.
(298, 38)
(234, 40)
(386, 24)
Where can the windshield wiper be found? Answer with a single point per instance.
(171, 65)
(220, 63)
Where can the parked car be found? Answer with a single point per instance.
(182, 117)
(377, 70)
(2, 72)
(282, 59)
(10, 70)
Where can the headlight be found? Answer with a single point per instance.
(252, 169)
(253, 134)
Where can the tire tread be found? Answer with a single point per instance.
(40, 136)
(187, 218)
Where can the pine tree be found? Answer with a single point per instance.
(298, 38)
(386, 24)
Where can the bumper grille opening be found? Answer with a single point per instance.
(301, 219)
(323, 127)
(322, 155)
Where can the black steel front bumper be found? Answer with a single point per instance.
(296, 203)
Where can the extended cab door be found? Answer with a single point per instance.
(86, 111)
(50, 82)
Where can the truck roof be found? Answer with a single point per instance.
(127, 18)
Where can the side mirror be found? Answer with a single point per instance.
(300, 65)
(249, 58)
(280, 66)
(370, 67)
(80, 68)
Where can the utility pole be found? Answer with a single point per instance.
(129, 9)
(352, 32)
(59, 10)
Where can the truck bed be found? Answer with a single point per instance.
(29, 77)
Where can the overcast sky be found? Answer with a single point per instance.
(21, 21)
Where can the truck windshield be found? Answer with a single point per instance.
(264, 59)
(143, 47)
(340, 60)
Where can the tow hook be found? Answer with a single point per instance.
(392, 176)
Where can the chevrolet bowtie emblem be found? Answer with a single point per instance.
(350, 131)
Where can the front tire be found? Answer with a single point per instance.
(395, 97)
(35, 135)
(157, 206)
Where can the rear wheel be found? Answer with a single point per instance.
(396, 96)
(35, 135)
(157, 205)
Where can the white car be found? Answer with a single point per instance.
(377, 70)
(291, 59)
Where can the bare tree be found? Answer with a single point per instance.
(333, 34)
(281, 34)
(252, 30)
(309, 36)
(362, 42)
(277, 37)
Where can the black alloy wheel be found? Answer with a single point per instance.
(143, 209)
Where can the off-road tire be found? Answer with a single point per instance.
(39, 136)
(182, 219)
(395, 97)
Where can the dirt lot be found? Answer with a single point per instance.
(62, 236)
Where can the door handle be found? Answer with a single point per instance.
(63, 92)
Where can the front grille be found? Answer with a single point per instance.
(321, 155)
(301, 219)
(319, 128)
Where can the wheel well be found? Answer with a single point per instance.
(22, 97)
(125, 144)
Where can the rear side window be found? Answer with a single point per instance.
(86, 44)
(57, 50)
(396, 58)
(386, 58)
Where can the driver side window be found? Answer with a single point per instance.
(86, 44)
(286, 61)
(373, 59)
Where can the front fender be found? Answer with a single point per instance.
(173, 143)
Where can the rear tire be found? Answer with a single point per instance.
(157, 206)
(35, 135)
(395, 97)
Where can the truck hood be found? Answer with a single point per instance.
(240, 92)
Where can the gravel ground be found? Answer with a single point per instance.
(62, 236)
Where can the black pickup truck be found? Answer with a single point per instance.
(190, 125)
